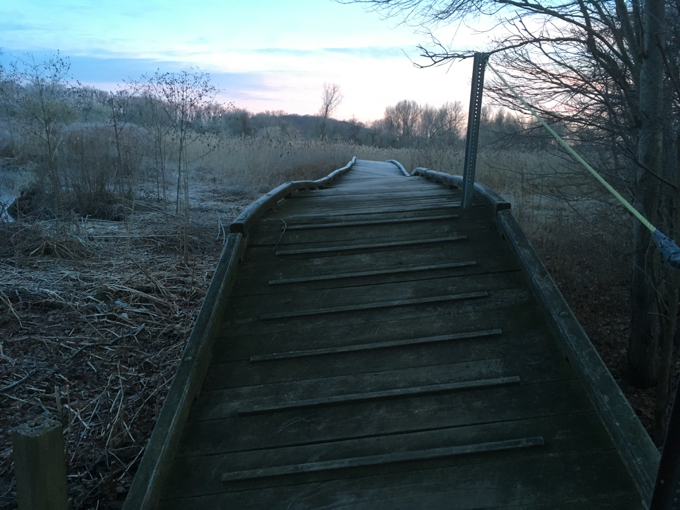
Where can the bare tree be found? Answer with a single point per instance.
(184, 99)
(403, 119)
(330, 100)
(44, 106)
(118, 104)
(440, 126)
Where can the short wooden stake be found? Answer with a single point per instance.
(39, 465)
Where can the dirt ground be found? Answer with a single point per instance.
(94, 316)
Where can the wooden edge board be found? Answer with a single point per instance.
(243, 223)
(369, 222)
(373, 306)
(388, 458)
(379, 272)
(493, 200)
(399, 166)
(379, 395)
(147, 484)
(634, 445)
(376, 345)
(394, 244)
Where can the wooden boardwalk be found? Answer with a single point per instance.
(381, 348)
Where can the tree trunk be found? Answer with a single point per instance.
(642, 353)
(643, 348)
(670, 298)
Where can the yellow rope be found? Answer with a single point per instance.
(578, 158)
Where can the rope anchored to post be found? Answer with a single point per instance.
(670, 252)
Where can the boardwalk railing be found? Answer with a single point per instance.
(254, 211)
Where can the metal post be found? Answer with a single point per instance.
(474, 117)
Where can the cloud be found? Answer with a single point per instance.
(372, 52)
(292, 52)
(107, 72)
(15, 26)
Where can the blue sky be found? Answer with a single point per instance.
(262, 54)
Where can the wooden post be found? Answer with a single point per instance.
(39, 465)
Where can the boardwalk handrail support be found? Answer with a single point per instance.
(474, 119)
(492, 199)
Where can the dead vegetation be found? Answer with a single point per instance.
(94, 316)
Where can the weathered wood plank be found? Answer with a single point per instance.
(371, 246)
(295, 302)
(306, 426)
(339, 195)
(377, 204)
(355, 234)
(489, 357)
(478, 243)
(293, 210)
(377, 395)
(525, 481)
(455, 316)
(375, 305)
(387, 458)
(360, 274)
(258, 268)
(363, 223)
(401, 191)
(375, 345)
(226, 402)
(365, 234)
(253, 284)
(303, 215)
(571, 433)
(260, 259)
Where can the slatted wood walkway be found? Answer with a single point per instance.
(382, 349)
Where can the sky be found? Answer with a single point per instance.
(261, 54)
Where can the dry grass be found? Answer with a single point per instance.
(262, 164)
(93, 341)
